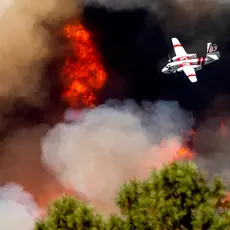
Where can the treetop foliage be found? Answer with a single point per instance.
(176, 197)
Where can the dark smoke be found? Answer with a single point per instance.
(28, 44)
(135, 45)
(134, 38)
(30, 50)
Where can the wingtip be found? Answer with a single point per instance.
(193, 79)
(175, 40)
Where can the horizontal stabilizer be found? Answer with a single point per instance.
(213, 56)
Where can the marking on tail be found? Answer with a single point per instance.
(212, 48)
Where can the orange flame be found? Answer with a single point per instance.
(83, 74)
(184, 153)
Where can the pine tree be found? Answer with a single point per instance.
(176, 197)
(68, 213)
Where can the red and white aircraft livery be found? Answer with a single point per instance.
(189, 63)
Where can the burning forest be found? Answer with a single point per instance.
(120, 116)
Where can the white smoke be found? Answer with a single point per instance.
(71, 115)
(113, 143)
(4, 5)
(17, 208)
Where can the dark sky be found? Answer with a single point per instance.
(134, 46)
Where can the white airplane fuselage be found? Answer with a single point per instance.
(196, 63)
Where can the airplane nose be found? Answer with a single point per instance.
(164, 70)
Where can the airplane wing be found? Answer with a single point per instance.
(178, 48)
(190, 73)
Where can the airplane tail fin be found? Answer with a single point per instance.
(213, 51)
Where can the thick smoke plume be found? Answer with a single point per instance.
(112, 143)
(17, 208)
(194, 20)
(26, 44)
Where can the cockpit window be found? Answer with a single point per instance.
(168, 67)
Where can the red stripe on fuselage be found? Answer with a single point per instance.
(201, 61)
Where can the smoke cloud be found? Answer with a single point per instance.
(111, 144)
(160, 6)
(20, 161)
(27, 42)
(195, 20)
(211, 141)
(212, 144)
(17, 208)
(98, 149)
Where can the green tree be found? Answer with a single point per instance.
(68, 213)
(176, 197)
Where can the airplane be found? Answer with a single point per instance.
(190, 63)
